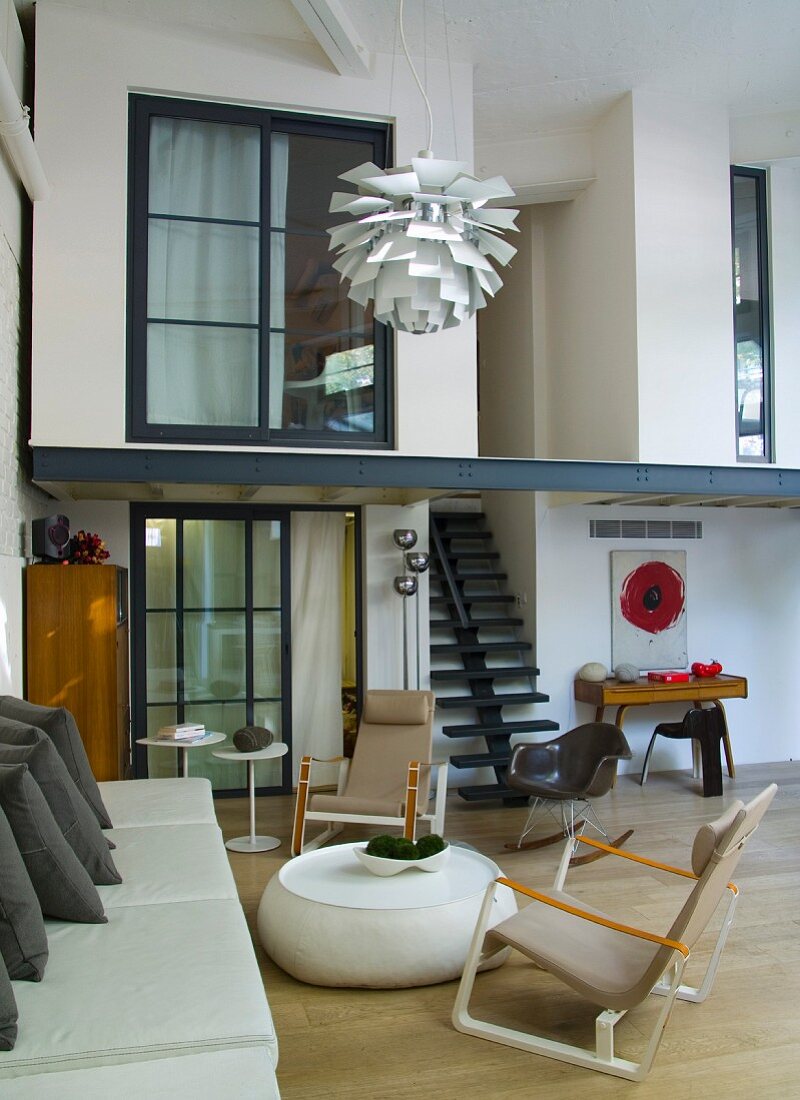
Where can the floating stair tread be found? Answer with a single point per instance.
(484, 597)
(510, 672)
(466, 534)
(465, 701)
(539, 725)
(472, 555)
(480, 647)
(481, 760)
(471, 576)
(489, 791)
(460, 516)
(473, 624)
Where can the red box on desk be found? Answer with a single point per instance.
(668, 677)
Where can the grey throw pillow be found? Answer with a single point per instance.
(59, 725)
(8, 1012)
(62, 886)
(72, 813)
(23, 940)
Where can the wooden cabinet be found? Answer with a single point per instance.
(77, 655)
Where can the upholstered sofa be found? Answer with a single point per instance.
(165, 999)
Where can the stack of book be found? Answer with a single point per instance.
(184, 731)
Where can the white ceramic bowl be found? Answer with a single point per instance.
(379, 865)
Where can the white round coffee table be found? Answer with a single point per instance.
(183, 746)
(253, 843)
(324, 919)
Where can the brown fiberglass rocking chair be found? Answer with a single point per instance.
(562, 776)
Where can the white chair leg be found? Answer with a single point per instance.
(697, 994)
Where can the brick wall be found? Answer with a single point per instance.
(20, 501)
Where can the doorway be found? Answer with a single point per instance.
(213, 610)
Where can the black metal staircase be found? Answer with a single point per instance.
(469, 582)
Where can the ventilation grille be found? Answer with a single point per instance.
(645, 529)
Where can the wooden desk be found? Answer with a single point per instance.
(643, 692)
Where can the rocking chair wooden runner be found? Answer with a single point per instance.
(562, 776)
(612, 965)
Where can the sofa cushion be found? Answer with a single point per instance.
(159, 802)
(165, 863)
(70, 809)
(8, 1011)
(23, 940)
(165, 980)
(62, 886)
(246, 1074)
(59, 725)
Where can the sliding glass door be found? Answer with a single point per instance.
(212, 633)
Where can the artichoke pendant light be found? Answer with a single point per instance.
(423, 245)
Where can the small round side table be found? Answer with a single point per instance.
(253, 843)
(210, 738)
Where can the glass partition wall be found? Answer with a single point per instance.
(215, 624)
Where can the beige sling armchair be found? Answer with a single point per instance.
(612, 965)
(387, 783)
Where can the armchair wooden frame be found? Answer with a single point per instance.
(671, 959)
(336, 821)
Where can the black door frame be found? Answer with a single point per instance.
(139, 512)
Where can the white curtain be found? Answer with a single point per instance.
(317, 540)
(203, 270)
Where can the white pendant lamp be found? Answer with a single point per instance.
(424, 242)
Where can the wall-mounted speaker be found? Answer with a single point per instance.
(51, 538)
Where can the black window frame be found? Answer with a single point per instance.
(142, 108)
(759, 175)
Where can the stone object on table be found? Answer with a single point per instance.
(593, 671)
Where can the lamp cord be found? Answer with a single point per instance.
(414, 74)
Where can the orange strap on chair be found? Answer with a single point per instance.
(604, 921)
(412, 794)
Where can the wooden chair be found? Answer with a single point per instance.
(613, 965)
(706, 728)
(387, 783)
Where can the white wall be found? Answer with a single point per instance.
(86, 64)
(591, 273)
(683, 282)
(743, 607)
(382, 644)
(784, 193)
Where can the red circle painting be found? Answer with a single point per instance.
(652, 597)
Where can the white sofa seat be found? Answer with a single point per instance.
(158, 802)
(245, 1074)
(156, 981)
(166, 863)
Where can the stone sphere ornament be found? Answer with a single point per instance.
(593, 671)
(626, 674)
(252, 738)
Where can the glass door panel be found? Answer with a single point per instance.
(214, 634)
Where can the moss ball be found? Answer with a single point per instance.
(430, 845)
(404, 849)
(382, 846)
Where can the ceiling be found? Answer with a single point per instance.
(549, 65)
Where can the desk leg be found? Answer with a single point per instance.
(185, 764)
(598, 713)
(621, 714)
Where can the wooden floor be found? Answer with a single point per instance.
(744, 1042)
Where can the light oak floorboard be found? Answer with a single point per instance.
(744, 1042)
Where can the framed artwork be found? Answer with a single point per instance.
(648, 609)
